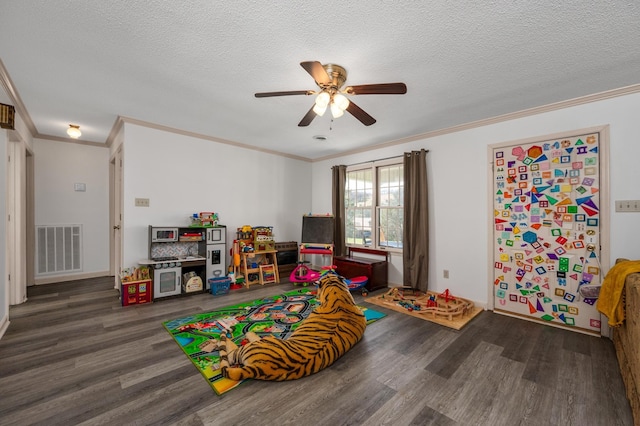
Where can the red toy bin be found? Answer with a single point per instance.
(136, 292)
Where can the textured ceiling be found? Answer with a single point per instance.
(195, 66)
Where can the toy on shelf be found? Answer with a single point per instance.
(209, 218)
(195, 220)
(244, 237)
(135, 274)
(246, 248)
(204, 219)
(263, 238)
(191, 282)
(191, 236)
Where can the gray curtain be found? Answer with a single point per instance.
(337, 200)
(415, 252)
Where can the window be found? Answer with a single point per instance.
(374, 204)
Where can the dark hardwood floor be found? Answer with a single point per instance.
(72, 355)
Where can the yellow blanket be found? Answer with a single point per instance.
(610, 299)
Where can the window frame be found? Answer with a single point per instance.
(375, 208)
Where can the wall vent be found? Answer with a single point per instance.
(58, 249)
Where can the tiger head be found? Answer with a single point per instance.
(333, 292)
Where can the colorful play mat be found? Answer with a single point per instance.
(277, 315)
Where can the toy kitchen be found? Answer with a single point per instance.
(182, 259)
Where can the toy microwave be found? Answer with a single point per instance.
(164, 235)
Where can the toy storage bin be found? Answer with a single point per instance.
(219, 285)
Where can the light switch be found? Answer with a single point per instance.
(628, 205)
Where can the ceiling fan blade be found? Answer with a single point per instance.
(377, 89)
(291, 92)
(360, 114)
(317, 71)
(308, 118)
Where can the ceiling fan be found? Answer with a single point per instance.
(330, 78)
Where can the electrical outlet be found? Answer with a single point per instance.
(445, 273)
(628, 205)
(142, 202)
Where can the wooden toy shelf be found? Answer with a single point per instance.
(262, 258)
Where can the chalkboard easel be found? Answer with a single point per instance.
(317, 229)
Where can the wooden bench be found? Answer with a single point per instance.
(626, 340)
(363, 261)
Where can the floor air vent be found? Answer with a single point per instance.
(58, 249)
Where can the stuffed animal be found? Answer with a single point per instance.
(324, 336)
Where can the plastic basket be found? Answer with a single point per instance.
(219, 286)
(590, 291)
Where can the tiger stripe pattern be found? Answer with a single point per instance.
(324, 336)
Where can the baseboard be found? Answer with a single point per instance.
(61, 278)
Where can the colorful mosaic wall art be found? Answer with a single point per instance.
(547, 231)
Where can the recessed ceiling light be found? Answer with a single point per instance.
(320, 137)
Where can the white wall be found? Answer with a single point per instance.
(58, 166)
(4, 285)
(182, 175)
(458, 191)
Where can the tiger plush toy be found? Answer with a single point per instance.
(324, 336)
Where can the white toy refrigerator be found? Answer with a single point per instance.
(216, 253)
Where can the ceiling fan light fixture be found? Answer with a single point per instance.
(322, 100)
(74, 131)
(336, 111)
(341, 101)
(319, 109)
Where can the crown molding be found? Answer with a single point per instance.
(623, 91)
(69, 140)
(204, 137)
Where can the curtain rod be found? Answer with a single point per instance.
(381, 159)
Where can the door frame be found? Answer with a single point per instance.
(605, 203)
(115, 215)
(19, 195)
